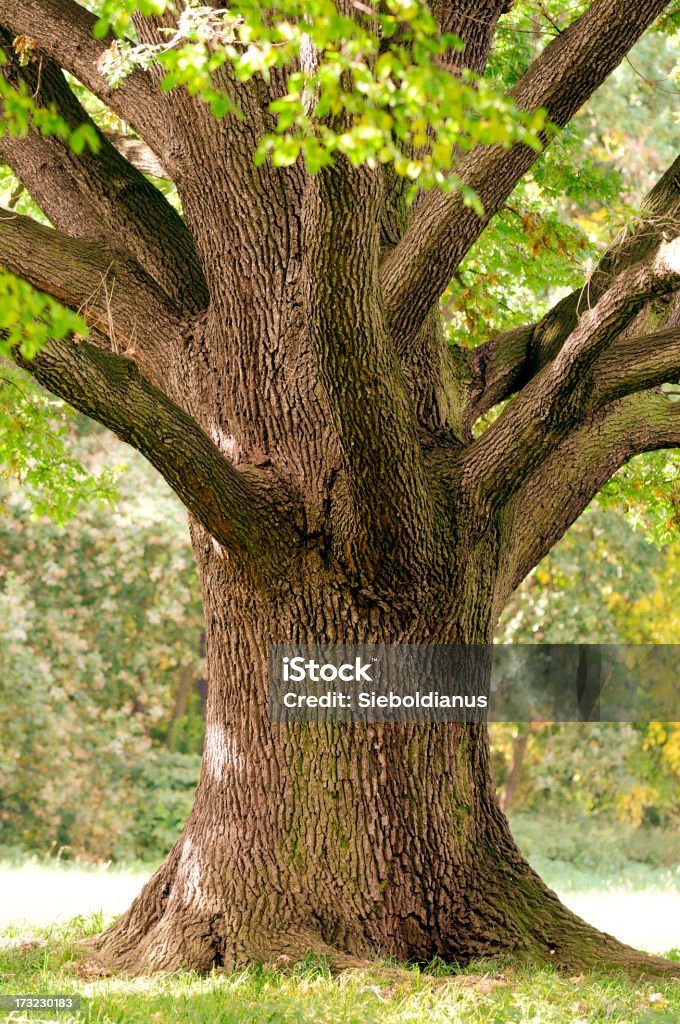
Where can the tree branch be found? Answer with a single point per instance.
(241, 509)
(416, 272)
(561, 488)
(137, 153)
(555, 399)
(388, 518)
(62, 31)
(504, 364)
(635, 364)
(474, 22)
(114, 296)
(100, 195)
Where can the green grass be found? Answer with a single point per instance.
(637, 900)
(309, 993)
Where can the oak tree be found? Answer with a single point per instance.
(276, 351)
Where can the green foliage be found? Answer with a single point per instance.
(578, 592)
(21, 111)
(606, 769)
(579, 194)
(160, 792)
(28, 318)
(604, 582)
(96, 621)
(32, 435)
(573, 850)
(369, 87)
(648, 491)
(116, 15)
(35, 451)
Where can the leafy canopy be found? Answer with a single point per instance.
(371, 87)
(374, 88)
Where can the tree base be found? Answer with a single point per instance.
(157, 935)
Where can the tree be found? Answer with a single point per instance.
(99, 756)
(278, 355)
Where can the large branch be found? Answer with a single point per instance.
(115, 297)
(241, 509)
(474, 23)
(555, 494)
(137, 153)
(388, 517)
(100, 195)
(417, 271)
(637, 363)
(62, 31)
(506, 363)
(555, 400)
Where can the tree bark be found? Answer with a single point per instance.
(343, 839)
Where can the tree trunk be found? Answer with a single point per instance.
(343, 839)
(512, 780)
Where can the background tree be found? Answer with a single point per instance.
(277, 354)
(100, 625)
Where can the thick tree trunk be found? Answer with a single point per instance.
(345, 839)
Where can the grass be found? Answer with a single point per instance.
(38, 891)
(637, 901)
(309, 993)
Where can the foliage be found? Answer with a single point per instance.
(580, 193)
(586, 187)
(647, 489)
(575, 851)
(33, 426)
(35, 450)
(603, 583)
(20, 111)
(87, 683)
(622, 770)
(28, 318)
(369, 87)
(375, 91)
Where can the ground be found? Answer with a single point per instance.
(637, 901)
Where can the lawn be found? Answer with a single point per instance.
(45, 906)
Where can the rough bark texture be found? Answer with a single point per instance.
(279, 357)
(338, 838)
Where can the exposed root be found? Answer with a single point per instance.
(178, 923)
(166, 949)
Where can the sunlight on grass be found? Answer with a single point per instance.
(483, 994)
(38, 893)
(39, 954)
